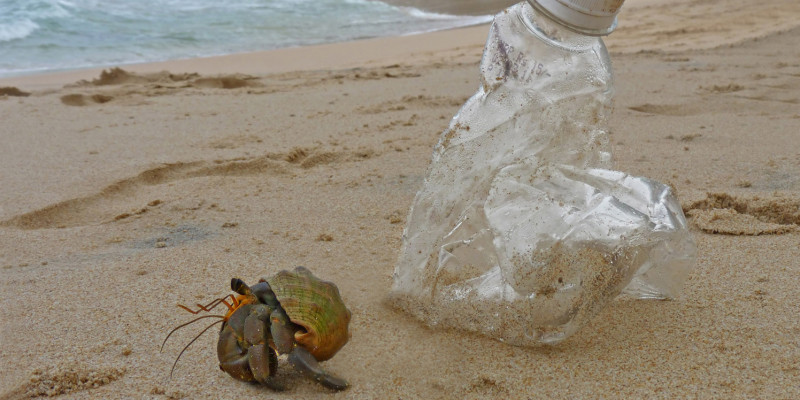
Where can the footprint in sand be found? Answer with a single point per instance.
(677, 110)
(110, 204)
(225, 82)
(722, 213)
(80, 100)
(413, 102)
(152, 84)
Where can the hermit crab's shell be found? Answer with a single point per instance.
(315, 305)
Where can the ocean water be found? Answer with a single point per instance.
(51, 35)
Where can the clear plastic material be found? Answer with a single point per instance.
(521, 231)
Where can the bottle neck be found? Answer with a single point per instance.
(553, 31)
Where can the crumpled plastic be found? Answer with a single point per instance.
(522, 231)
(570, 241)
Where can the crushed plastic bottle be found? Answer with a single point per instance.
(521, 230)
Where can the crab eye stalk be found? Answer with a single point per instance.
(238, 286)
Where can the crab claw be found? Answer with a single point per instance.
(243, 349)
(304, 362)
(263, 364)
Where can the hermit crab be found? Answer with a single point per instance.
(291, 312)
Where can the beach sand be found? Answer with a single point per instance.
(132, 191)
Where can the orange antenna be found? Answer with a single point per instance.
(210, 306)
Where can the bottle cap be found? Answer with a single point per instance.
(591, 17)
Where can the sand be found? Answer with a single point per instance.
(126, 193)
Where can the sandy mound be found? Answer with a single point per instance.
(12, 91)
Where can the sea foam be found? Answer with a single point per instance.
(17, 30)
(47, 35)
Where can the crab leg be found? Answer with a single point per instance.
(262, 359)
(282, 331)
(232, 358)
(304, 362)
(264, 365)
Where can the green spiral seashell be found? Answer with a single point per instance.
(317, 307)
